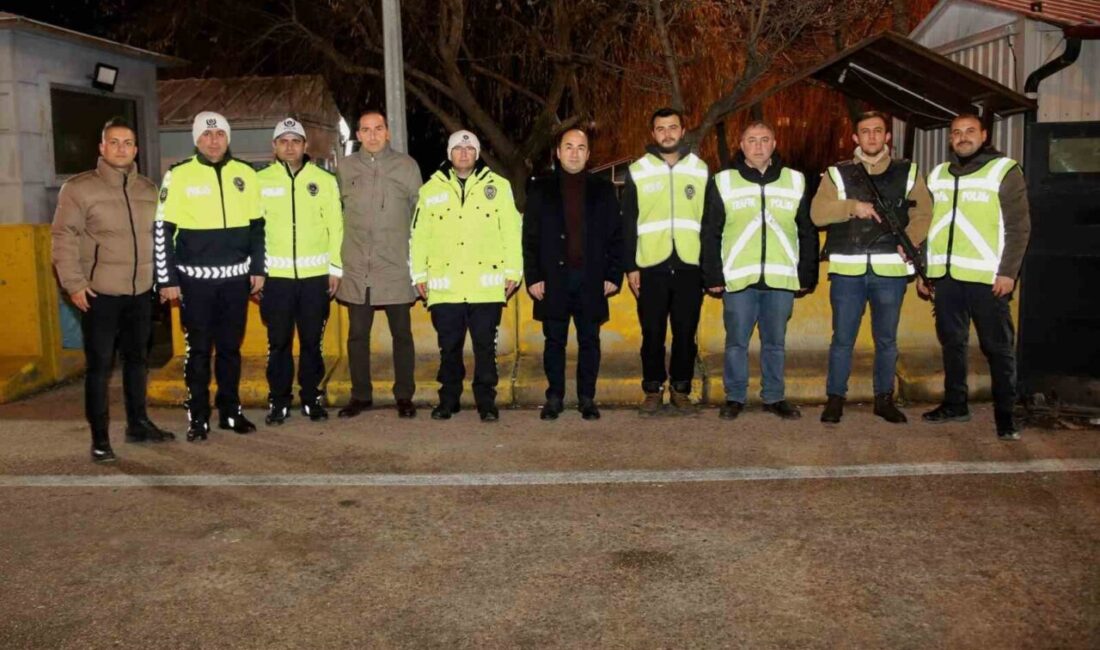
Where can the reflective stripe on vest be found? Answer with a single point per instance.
(215, 272)
(670, 208)
(966, 238)
(769, 210)
(306, 263)
(885, 264)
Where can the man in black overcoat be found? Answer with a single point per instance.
(572, 259)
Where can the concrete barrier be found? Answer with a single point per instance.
(31, 356)
(520, 345)
(166, 383)
(427, 360)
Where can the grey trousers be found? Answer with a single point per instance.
(404, 354)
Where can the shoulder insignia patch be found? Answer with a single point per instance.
(163, 194)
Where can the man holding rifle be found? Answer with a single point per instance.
(868, 263)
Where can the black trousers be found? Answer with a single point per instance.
(451, 322)
(290, 305)
(669, 295)
(957, 303)
(404, 352)
(213, 313)
(588, 345)
(127, 321)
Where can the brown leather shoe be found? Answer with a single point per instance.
(652, 404)
(406, 409)
(681, 402)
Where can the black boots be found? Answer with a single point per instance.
(887, 410)
(236, 422)
(276, 414)
(101, 448)
(316, 412)
(198, 429)
(834, 410)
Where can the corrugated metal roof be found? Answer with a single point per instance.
(15, 21)
(909, 81)
(1067, 13)
(248, 101)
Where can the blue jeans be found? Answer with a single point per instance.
(849, 296)
(742, 312)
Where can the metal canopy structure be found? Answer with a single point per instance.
(909, 81)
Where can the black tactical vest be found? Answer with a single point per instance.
(862, 236)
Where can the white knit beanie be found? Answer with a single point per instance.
(207, 120)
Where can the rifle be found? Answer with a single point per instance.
(893, 223)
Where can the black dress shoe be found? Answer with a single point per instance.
(551, 409)
(355, 407)
(277, 415)
(316, 412)
(947, 413)
(406, 408)
(102, 452)
(198, 429)
(235, 422)
(444, 411)
(784, 409)
(145, 431)
(588, 409)
(834, 410)
(489, 414)
(730, 410)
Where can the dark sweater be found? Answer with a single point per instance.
(572, 192)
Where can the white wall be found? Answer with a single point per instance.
(29, 64)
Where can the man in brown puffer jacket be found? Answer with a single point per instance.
(103, 254)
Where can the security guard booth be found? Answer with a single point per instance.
(57, 89)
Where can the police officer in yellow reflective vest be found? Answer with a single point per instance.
(980, 228)
(209, 252)
(759, 252)
(304, 229)
(866, 265)
(662, 206)
(466, 261)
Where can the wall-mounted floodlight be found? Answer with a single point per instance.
(105, 77)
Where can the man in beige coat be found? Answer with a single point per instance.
(103, 253)
(379, 188)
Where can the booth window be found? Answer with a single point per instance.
(78, 119)
(1074, 155)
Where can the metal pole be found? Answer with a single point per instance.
(395, 74)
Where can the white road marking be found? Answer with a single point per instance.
(797, 473)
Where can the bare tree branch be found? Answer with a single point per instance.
(672, 65)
